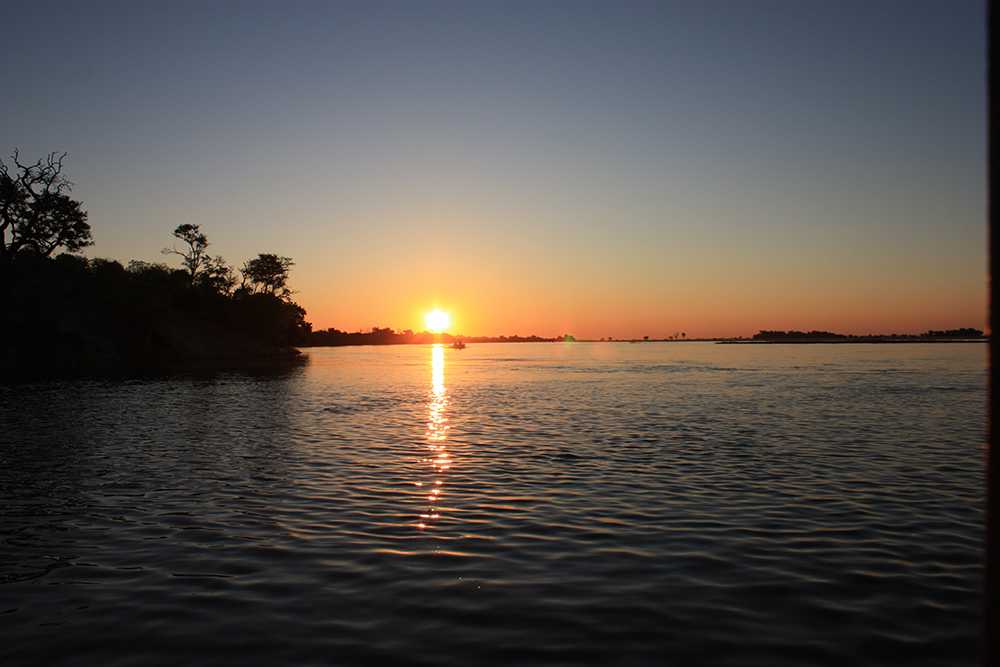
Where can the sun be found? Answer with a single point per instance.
(437, 321)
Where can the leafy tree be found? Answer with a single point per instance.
(137, 266)
(217, 276)
(267, 274)
(36, 213)
(194, 257)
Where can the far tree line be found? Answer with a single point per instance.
(388, 336)
(966, 332)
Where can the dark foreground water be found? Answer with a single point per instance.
(505, 504)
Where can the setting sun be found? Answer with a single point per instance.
(437, 321)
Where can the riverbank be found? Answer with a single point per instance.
(72, 317)
(155, 346)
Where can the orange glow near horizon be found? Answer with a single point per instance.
(698, 305)
(829, 279)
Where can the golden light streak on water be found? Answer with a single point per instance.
(437, 430)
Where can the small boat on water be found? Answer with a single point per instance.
(458, 345)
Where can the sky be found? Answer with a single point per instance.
(595, 168)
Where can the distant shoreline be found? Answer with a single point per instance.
(386, 336)
(689, 340)
(851, 342)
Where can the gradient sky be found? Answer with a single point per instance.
(619, 169)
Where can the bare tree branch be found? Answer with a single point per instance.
(36, 214)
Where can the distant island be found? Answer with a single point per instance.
(962, 335)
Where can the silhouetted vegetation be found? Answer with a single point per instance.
(966, 332)
(797, 335)
(37, 215)
(69, 315)
(386, 336)
(267, 274)
(828, 336)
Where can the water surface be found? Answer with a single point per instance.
(503, 504)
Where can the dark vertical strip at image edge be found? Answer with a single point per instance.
(991, 625)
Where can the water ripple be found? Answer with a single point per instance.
(508, 504)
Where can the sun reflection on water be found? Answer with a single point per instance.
(437, 433)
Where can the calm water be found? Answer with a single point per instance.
(516, 504)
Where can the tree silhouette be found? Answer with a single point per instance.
(194, 257)
(267, 274)
(36, 213)
(217, 276)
